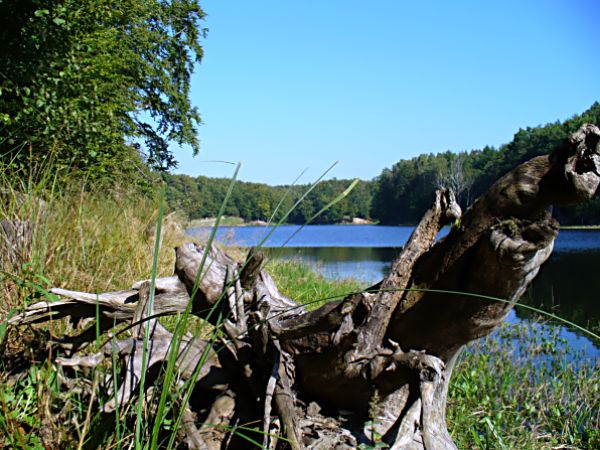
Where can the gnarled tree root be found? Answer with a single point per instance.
(375, 363)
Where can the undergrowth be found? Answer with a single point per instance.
(524, 387)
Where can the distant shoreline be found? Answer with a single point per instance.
(233, 221)
(580, 227)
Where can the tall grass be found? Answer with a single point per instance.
(88, 241)
(82, 239)
(93, 242)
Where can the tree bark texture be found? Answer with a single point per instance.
(375, 363)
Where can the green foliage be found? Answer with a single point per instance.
(523, 387)
(25, 401)
(83, 81)
(401, 194)
(202, 196)
(86, 240)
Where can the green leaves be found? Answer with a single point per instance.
(79, 74)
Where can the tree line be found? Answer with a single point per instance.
(399, 195)
(402, 192)
(202, 197)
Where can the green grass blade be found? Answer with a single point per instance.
(213, 232)
(4, 424)
(289, 211)
(283, 197)
(150, 306)
(189, 384)
(180, 328)
(248, 438)
(295, 205)
(468, 294)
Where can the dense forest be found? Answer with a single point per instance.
(402, 193)
(202, 197)
(399, 195)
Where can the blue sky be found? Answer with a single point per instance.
(286, 85)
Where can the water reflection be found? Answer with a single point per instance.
(360, 263)
(568, 283)
(312, 235)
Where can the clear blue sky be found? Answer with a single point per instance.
(286, 85)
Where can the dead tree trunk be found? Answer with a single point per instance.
(382, 357)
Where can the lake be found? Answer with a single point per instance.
(568, 283)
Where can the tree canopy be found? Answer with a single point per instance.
(202, 197)
(401, 193)
(92, 83)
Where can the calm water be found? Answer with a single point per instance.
(313, 235)
(568, 283)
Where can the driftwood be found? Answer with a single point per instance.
(15, 234)
(373, 363)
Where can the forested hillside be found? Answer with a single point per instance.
(399, 195)
(403, 192)
(202, 197)
(100, 91)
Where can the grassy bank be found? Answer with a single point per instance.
(522, 388)
(78, 239)
(81, 240)
(98, 242)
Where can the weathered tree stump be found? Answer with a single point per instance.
(377, 361)
(15, 243)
